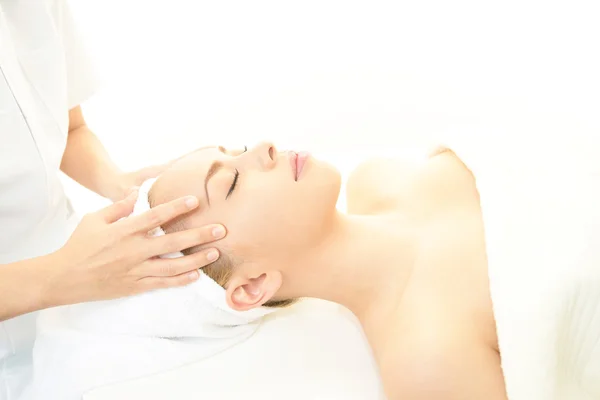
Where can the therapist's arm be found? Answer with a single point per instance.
(87, 162)
(21, 286)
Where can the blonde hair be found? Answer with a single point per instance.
(220, 270)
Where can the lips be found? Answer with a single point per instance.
(297, 161)
(300, 161)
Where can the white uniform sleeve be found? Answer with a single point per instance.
(82, 81)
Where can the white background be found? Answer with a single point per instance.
(331, 75)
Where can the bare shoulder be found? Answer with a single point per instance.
(368, 187)
(381, 184)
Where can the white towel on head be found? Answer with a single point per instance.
(87, 345)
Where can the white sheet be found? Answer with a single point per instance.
(315, 351)
(541, 209)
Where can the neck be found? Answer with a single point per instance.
(364, 261)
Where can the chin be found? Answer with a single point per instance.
(325, 182)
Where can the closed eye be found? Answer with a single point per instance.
(234, 183)
(235, 177)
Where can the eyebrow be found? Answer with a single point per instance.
(214, 168)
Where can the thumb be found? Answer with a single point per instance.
(120, 209)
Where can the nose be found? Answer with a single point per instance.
(265, 154)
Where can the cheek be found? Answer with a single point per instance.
(267, 231)
(319, 193)
(259, 229)
(275, 217)
(258, 220)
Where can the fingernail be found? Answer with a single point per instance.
(193, 275)
(191, 202)
(212, 255)
(218, 232)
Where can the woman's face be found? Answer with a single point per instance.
(272, 216)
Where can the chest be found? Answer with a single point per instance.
(438, 364)
(33, 117)
(440, 341)
(34, 67)
(436, 347)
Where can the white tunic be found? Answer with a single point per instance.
(43, 74)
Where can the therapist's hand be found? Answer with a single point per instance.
(109, 256)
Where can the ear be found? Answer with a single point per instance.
(244, 293)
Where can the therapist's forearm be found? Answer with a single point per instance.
(87, 162)
(23, 286)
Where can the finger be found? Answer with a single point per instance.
(163, 213)
(168, 267)
(120, 209)
(183, 240)
(152, 283)
(131, 190)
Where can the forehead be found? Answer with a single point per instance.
(201, 157)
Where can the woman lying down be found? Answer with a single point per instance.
(472, 276)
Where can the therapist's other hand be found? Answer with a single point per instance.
(127, 182)
(109, 256)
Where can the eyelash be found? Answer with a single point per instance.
(235, 178)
